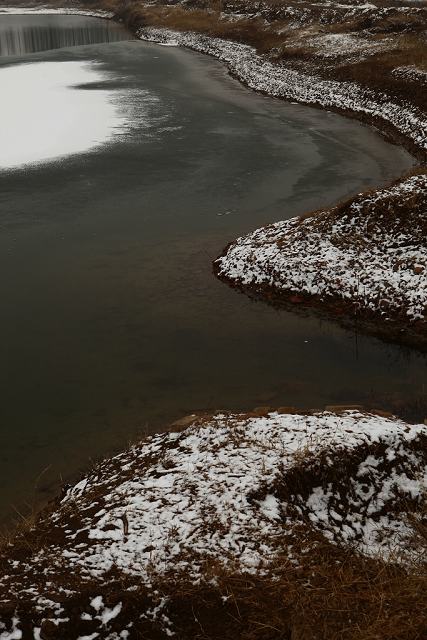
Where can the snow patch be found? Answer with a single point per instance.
(373, 260)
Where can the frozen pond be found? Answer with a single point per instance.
(68, 119)
(111, 321)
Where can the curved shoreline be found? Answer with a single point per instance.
(330, 309)
(355, 263)
(399, 123)
(278, 81)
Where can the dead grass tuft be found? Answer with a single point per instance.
(335, 595)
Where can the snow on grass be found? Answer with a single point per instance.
(368, 253)
(246, 493)
(335, 45)
(216, 491)
(412, 73)
(279, 80)
(14, 634)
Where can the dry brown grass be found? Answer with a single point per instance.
(250, 31)
(333, 595)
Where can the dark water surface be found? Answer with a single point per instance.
(22, 34)
(111, 321)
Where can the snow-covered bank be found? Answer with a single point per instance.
(282, 81)
(252, 493)
(370, 253)
(229, 473)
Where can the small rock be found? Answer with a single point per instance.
(184, 422)
(286, 410)
(261, 411)
(338, 408)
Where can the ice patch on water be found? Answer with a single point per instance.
(45, 113)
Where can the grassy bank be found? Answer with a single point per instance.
(258, 526)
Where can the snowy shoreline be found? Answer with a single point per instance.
(386, 291)
(281, 81)
(366, 259)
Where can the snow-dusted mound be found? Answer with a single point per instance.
(227, 488)
(370, 253)
(238, 490)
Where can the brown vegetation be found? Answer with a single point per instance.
(335, 596)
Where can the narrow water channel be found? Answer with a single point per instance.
(111, 321)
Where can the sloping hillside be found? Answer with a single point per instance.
(213, 512)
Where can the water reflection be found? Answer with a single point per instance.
(20, 35)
